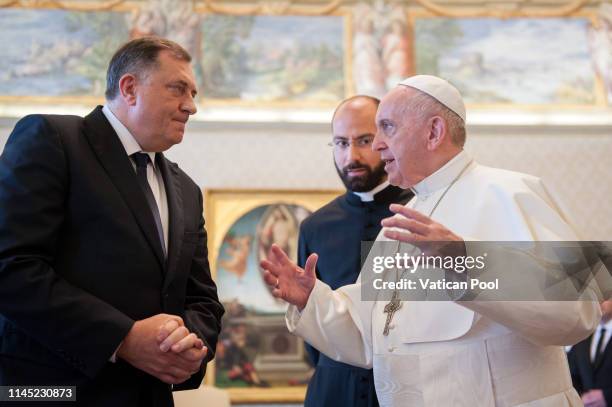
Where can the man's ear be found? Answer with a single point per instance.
(127, 88)
(438, 132)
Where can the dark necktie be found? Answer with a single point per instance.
(142, 160)
(600, 342)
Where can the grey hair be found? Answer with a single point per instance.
(138, 57)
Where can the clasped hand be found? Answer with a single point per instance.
(163, 347)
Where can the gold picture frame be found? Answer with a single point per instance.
(597, 92)
(68, 45)
(231, 215)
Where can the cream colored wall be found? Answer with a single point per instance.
(573, 160)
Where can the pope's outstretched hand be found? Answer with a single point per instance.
(290, 282)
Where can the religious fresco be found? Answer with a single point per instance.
(273, 58)
(523, 61)
(248, 59)
(254, 347)
(268, 58)
(247, 243)
(257, 359)
(57, 52)
(382, 48)
(600, 44)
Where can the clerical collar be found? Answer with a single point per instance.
(369, 196)
(443, 176)
(128, 141)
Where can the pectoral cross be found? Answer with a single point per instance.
(390, 309)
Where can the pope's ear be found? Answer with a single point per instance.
(438, 131)
(127, 88)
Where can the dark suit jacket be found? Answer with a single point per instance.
(585, 375)
(80, 261)
(335, 232)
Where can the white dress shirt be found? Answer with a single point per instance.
(608, 327)
(154, 176)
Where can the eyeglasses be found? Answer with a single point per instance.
(341, 144)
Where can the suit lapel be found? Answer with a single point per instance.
(112, 156)
(176, 222)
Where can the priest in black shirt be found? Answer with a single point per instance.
(336, 231)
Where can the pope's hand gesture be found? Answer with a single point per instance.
(411, 226)
(290, 282)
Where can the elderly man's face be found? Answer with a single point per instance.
(164, 101)
(401, 139)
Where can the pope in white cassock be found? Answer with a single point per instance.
(471, 353)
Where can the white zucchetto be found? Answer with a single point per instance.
(438, 89)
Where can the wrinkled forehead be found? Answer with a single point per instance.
(395, 103)
(185, 72)
(177, 67)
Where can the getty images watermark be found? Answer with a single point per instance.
(405, 264)
(483, 271)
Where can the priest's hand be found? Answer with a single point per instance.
(290, 282)
(432, 238)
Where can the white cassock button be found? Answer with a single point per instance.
(391, 349)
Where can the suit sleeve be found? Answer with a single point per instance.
(572, 359)
(607, 392)
(203, 310)
(34, 183)
(303, 254)
(337, 323)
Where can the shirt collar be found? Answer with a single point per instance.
(128, 141)
(369, 196)
(444, 175)
(607, 326)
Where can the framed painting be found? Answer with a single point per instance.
(278, 60)
(58, 52)
(533, 62)
(58, 55)
(257, 359)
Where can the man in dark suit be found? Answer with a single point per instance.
(590, 363)
(336, 231)
(104, 277)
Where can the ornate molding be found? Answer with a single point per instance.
(282, 7)
(484, 8)
(512, 9)
(64, 5)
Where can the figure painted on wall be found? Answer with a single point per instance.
(382, 52)
(397, 53)
(170, 19)
(600, 43)
(368, 71)
(237, 252)
(278, 226)
(237, 348)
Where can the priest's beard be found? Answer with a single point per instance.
(363, 183)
